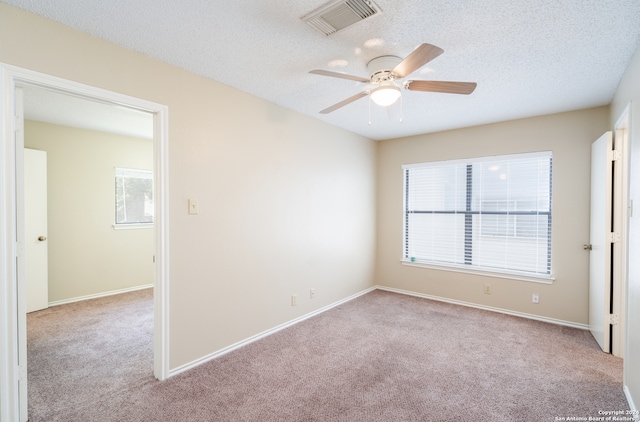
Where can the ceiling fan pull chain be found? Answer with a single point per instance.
(369, 110)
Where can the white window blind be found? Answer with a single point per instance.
(134, 196)
(491, 213)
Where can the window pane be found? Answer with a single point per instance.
(440, 188)
(436, 237)
(499, 207)
(515, 253)
(134, 196)
(497, 225)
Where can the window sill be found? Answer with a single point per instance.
(510, 276)
(132, 226)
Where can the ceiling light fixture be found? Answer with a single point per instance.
(385, 95)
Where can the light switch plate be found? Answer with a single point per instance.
(193, 206)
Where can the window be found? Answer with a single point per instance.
(134, 197)
(488, 214)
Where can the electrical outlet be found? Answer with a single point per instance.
(312, 293)
(487, 288)
(294, 300)
(535, 298)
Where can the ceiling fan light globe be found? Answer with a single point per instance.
(385, 95)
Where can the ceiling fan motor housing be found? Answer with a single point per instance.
(380, 68)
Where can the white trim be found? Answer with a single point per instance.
(10, 76)
(632, 405)
(131, 226)
(264, 334)
(21, 261)
(472, 160)
(476, 271)
(487, 308)
(98, 295)
(9, 405)
(161, 344)
(626, 117)
(288, 324)
(621, 249)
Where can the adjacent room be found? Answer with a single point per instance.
(350, 210)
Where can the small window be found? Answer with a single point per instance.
(488, 214)
(134, 197)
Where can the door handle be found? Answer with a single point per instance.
(587, 247)
(42, 238)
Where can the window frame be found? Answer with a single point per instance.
(469, 213)
(132, 225)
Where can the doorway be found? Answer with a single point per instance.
(79, 143)
(13, 309)
(85, 144)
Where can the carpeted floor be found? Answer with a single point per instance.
(381, 357)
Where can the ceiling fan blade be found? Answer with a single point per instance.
(338, 75)
(441, 86)
(344, 102)
(418, 58)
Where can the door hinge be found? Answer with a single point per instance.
(614, 319)
(615, 155)
(614, 237)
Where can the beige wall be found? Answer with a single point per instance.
(86, 255)
(287, 203)
(629, 92)
(569, 137)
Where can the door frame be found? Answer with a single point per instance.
(620, 221)
(12, 251)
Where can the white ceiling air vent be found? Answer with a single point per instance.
(337, 15)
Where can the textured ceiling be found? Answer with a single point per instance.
(528, 57)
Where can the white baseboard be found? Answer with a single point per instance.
(266, 333)
(97, 295)
(632, 406)
(263, 334)
(486, 308)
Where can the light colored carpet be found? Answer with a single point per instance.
(381, 357)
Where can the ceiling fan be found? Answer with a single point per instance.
(386, 70)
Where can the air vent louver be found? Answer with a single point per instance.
(334, 16)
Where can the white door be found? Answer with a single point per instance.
(600, 257)
(35, 220)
